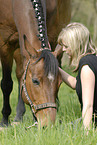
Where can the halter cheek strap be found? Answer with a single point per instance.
(34, 108)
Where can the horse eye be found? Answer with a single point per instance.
(35, 81)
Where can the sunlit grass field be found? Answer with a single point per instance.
(62, 133)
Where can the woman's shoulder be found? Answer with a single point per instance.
(88, 58)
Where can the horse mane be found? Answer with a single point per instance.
(50, 63)
(41, 22)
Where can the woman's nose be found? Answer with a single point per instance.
(64, 48)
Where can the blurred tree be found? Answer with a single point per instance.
(95, 22)
(85, 11)
(95, 5)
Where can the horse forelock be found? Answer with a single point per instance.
(41, 22)
(50, 64)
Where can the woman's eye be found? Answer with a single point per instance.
(66, 46)
(35, 81)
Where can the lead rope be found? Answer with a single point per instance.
(34, 125)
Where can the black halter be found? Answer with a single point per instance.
(34, 108)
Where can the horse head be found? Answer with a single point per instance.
(40, 83)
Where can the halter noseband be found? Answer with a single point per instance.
(34, 108)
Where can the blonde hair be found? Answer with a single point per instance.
(77, 37)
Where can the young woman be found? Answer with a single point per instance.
(76, 42)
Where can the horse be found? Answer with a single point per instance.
(24, 26)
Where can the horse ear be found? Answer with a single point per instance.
(58, 50)
(30, 50)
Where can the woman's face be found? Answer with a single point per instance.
(67, 49)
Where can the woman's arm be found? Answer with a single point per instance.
(88, 85)
(68, 79)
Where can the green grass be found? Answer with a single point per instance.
(60, 134)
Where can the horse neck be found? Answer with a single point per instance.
(40, 11)
(27, 24)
